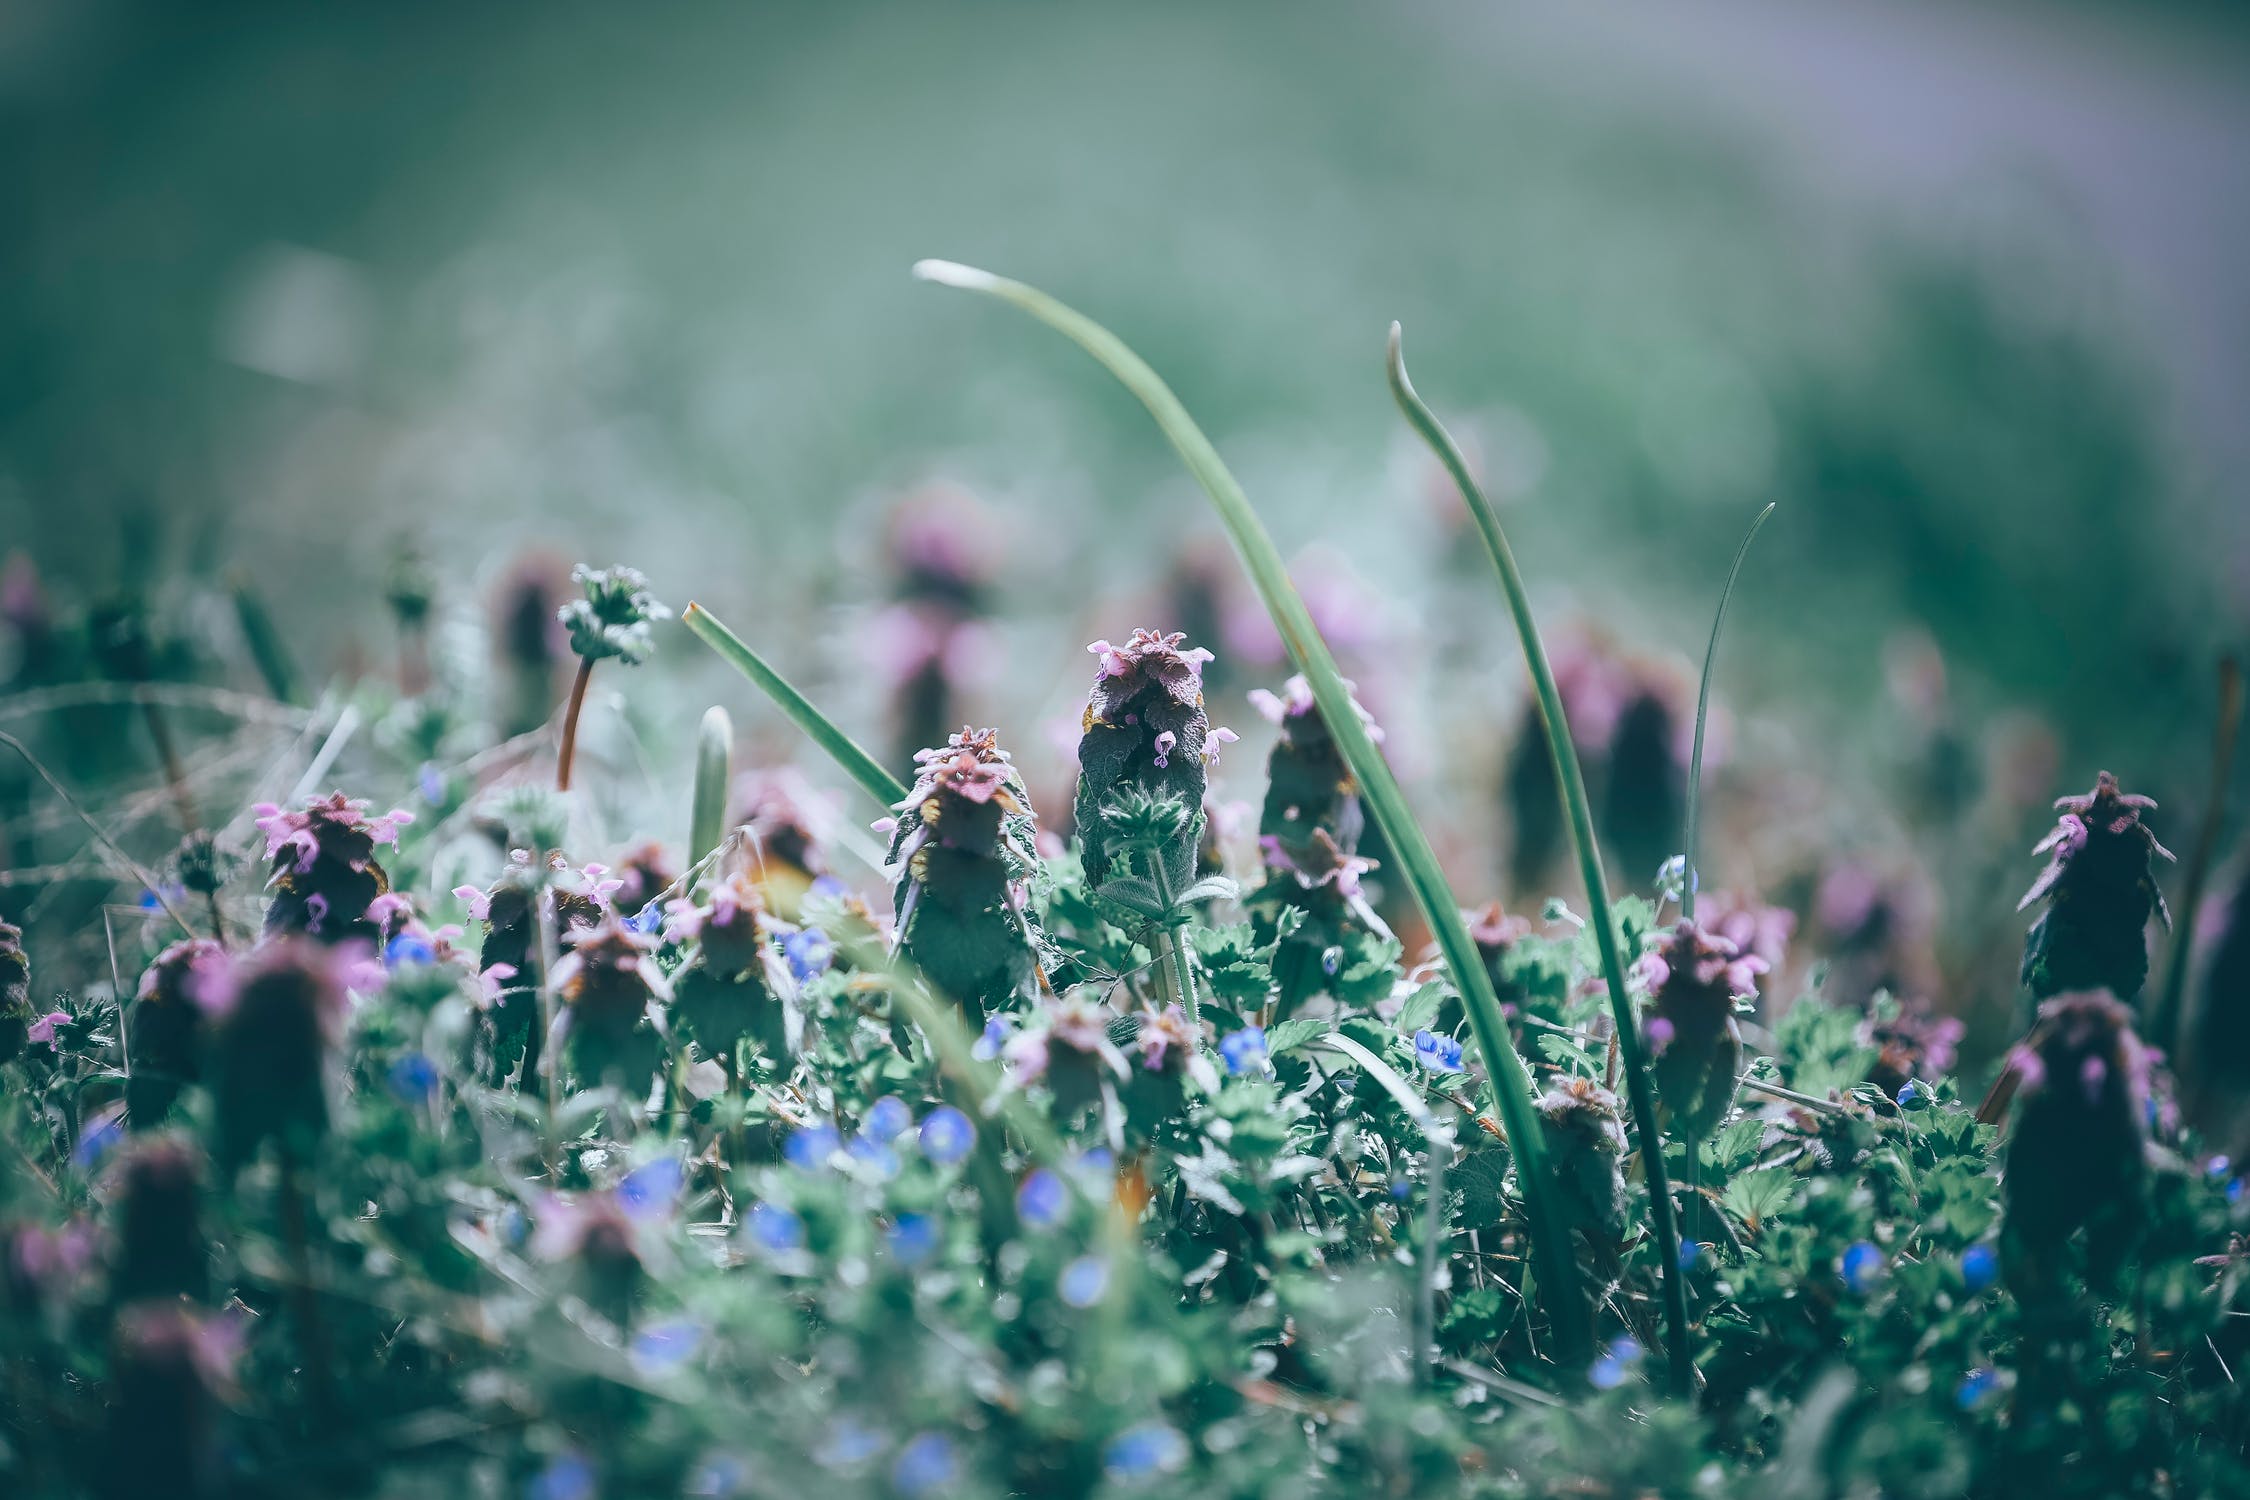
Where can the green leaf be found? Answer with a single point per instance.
(1289, 1036)
(1757, 1196)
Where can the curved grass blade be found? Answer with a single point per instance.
(1506, 1079)
(2167, 1017)
(1647, 1138)
(1702, 711)
(714, 761)
(841, 747)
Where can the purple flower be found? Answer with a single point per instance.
(1244, 1050)
(1043, 1199)
(1437, 1053)
(1862, 1267)
(430, 782)
(947, 1135)
(43, 1029)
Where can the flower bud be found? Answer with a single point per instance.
(1578, 1122)
(608, 981)
(723, 994)
(966, 848)
(324, 869)
(511, 959)
(614, 617)
(2100, 891)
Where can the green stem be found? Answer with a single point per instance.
(1702, 711)
(857, 763)
(714, 762)
(1174, 953)
(1648, 1139)
(569, 751)
(1416, 862)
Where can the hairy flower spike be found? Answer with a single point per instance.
(164, 1026)
(1144, 729)
(2077, 1151)
(608, 982)
(161, 1250)
(724, 994)
(2100, 891)
(269, 1052)
(15, 992)
(966, 848)
(614, 617)
(510, 961)
(1579, 1119)
(1695, 1047)
(324, 869)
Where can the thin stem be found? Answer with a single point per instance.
(1415, 861)
(1702, 712)
(140, 871)
(311, 1331)
(1174, 954)
(1434, 1218)
(175, 777)
(1648, 1140)
(2167, 1017)
(857, 763)
(569, 751)
(550, 1059)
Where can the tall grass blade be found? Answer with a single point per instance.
(714, 764)
(1702, 712)
(841, 747)
(1507, 1081)
(1647, 1138)
(2167, 1018)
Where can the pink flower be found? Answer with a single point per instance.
(477, 900)
(43, 1029)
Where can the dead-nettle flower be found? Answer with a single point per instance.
(164, 1026)
(1068, 1047)
(614, 619)
(727, 990)
(1693, 980)
(1144, 730)
(1750, 924)
(781, 845)
(15, 992)
(965, 845)
(170, 1371)
(324, 869)
(268, 1053)
(609, 981)
(1312, 818)
(1167, 1043)
(2077, 1152)
(511, 958)
(602, 1243)
(1910, 1041)
(161, 1249)
(1585, 1141)
(2100, 892)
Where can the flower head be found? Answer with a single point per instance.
(1694, 978)
(1437, 1052)
(614, 617)
(324, 873)
(1244, 1049)
(2076, 1155)
(2100, 891)
(1144, 728)
(268, 1056)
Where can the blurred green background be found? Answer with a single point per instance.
(1961, 289)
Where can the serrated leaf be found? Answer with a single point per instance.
(1289, 1036)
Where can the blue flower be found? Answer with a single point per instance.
(2234, 1190)
(1331, 960)
(995, 1037)
(1244, 1050)
(1976, 1388)
(2217, 1167)
(1912, 1095)
(913, 1239)
(1690, 1253)
(1862, 1266)
(809, 953)
(1401, 1189)
(647, 1191)
(408, 948)
(720, 1475)
(888, 1118)
(414, 1078)
(1098, 1161)
(947, 1135)
(566, 1477)
(879, 1159)
(926, 1465)
(664, 1346)
(648, 919)
(430, 782)
(828, 888)
(849, 1443)
(809, 1149)
(1615, 1366)
(1439, 1054)
(1043, 1199)
(1138, 1452)
(776, 1228)
(95, 1143)
(1980, 1267)
(1083, 1281)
